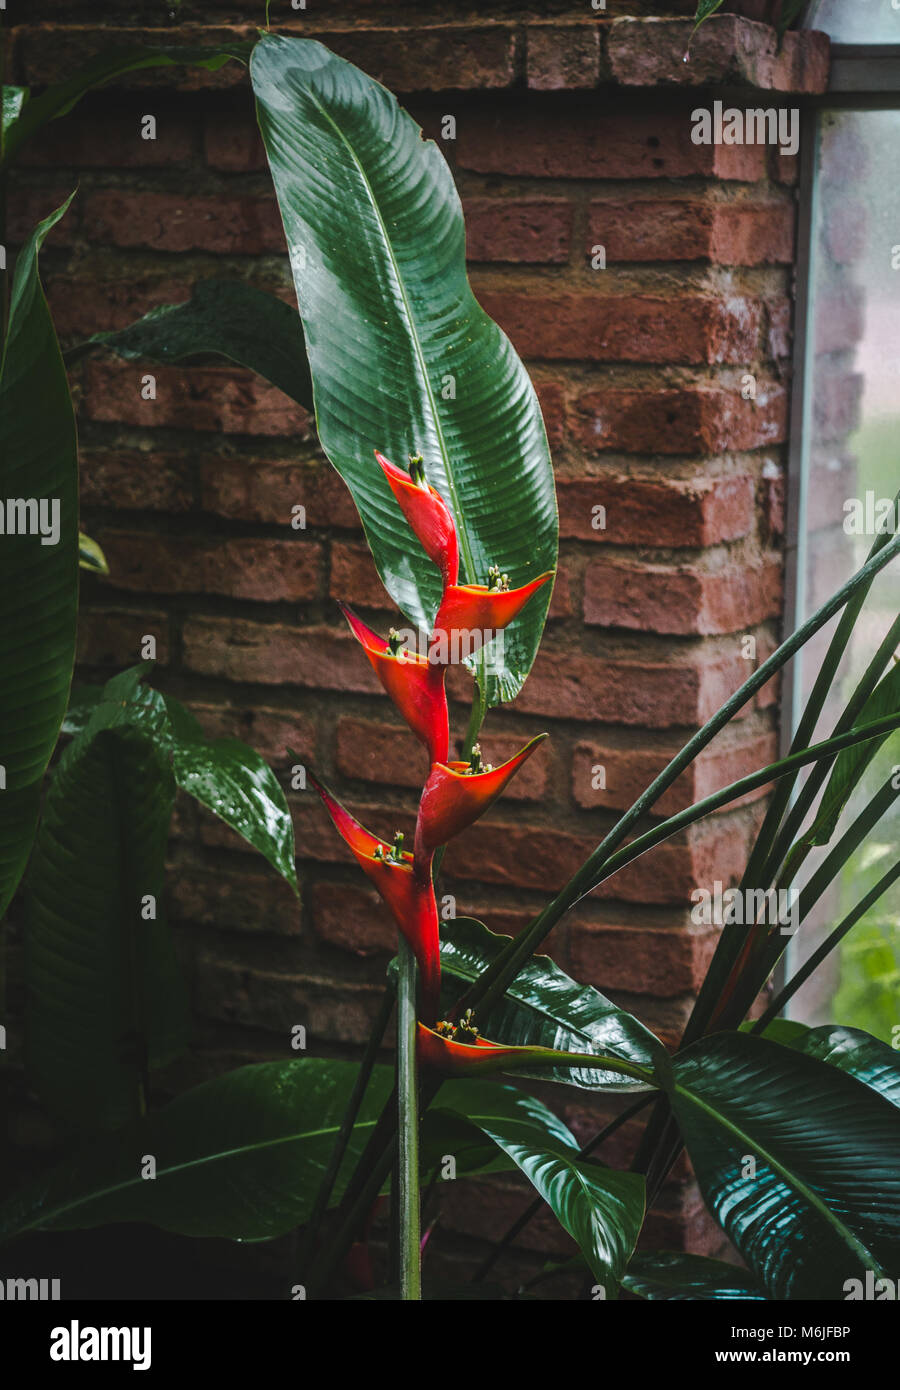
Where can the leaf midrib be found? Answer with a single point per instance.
(793, 1181)
(420, 357)
(218, 1157)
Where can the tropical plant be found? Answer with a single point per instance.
(793, 1133)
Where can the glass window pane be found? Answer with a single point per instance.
(856, 21)
(852, 472)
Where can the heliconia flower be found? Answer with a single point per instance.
(415, 684)
(427, 513)
(409, 896)
(436, 1048)
(476, 608)
(456, 794)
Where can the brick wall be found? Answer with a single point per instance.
(573, 133)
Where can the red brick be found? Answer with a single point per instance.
(274, 654)
(629, 771)
(727, 51)
(686, 420)
(354, 919)
(661, 512)
(246, 489)
(50, 52)
(779, 339)
(518, 230)
(662, 961)
(132, 480)
(552, 400)
(682, 600)
(636, 328)
(536, 140)
(84, 306)
(388, 753)
(233, 901)
(30, 205)
(79, 141)
(244, 568)
(354, 578)
(184, 222)
(687, 230)
(271, 732)
(562, 57)
(276, 1003)
(431, 58)
(109, 637)
(686, 689)
(232, 142)
(223, 399)
(544, 859)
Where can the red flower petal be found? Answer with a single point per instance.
(474, 608)
(429, 516)
(415, 685)
(409, 896)
(468, 1059)
(454, 797)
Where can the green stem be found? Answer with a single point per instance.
(407, 1206)
(494, 981)
(833, 939)
(363, 1076)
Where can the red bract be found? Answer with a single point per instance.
(415, 685)
(474, 608)
(444, 1054)
(454, 796)
(428, 515)
(409, 896)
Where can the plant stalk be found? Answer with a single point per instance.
(407, 1207)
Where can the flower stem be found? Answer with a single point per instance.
(363, 1076)
(407, 1205)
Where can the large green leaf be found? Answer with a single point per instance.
(38, 582)
(673, 1275)
(26, 117)
(545, 1007)
(403, 358)
(601, 1208)
(855, 1051)
(241, 1156)
(104, 996)
(799, 1162)
(238, 785)
(224, 317)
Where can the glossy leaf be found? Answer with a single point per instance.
(104, 995)
(236, 784)
(403, 358)
(38, 582)
(227, 318)
(545, 1007)
(799, 1162)
(601, 1209)
(676, 1276)
(90, 556)
(853, 1050)
(241, 1156)
(35, 112)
